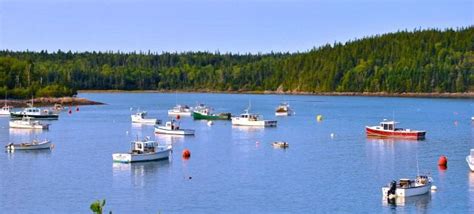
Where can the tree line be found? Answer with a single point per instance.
(430, 60)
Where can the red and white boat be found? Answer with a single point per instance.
(388, 129)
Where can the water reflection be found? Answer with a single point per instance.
(169, 139)
(23, 132)
(139, 171)
(420, 202)
(249, 128)
(384, 140)
(30, 153)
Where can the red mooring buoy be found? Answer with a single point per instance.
(186, 154)
(443, 161)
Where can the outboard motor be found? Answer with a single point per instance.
(392, 191)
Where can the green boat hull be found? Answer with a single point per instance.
(221, 116)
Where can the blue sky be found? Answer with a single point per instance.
(214, 25)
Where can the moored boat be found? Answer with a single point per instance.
(470, 160)
(5, 110)
(180, 110)
(406, 187)
(388, 129)
(248, 119)
(35, 113)
(280, 144)
(139, 117)
(27, 123)
(203, 112)
(283, 110)
(34, 145)
(173, 128)
(144, 150)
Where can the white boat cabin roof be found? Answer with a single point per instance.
(388, 124)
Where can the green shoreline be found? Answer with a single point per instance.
(467, 95)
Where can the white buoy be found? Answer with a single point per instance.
(126, 132)
(332, 135)
(434, 188)
(210, 123)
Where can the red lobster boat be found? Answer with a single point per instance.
(388, 129)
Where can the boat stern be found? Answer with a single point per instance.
(122, 157)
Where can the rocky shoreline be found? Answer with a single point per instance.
(48, 101)
(466, 95)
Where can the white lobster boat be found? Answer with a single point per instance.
(34, 145)
(144, 150)
(283, 110)
(27, 123)
(172, 128)
(180, 110)
(139, 117)
(248, 119)
(5, 110)
(406, 187)
(470, 160)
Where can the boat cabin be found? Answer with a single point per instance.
(250, 117)
(6, 108)
(388, 125)
(141, 114)
(172, 125)
(140, 147)
(405, 183)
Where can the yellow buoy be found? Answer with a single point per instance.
(319, 118)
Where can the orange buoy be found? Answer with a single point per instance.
(186, 154)
(177, 117)
(443, 161)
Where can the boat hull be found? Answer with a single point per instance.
(164, 130)
(175, 113)
(222, 116)
(28, 146)
(283, 113)
(130, 158)
(4, 113)
(417, 135)
(14, 115)
(470, 162)
(407, 192)
(28, 126)
(145, 121)
(262, 123)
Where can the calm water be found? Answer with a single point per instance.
(236, 169)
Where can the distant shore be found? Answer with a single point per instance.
(47, 101)
(467, 95)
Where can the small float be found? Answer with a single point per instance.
(387, 129)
